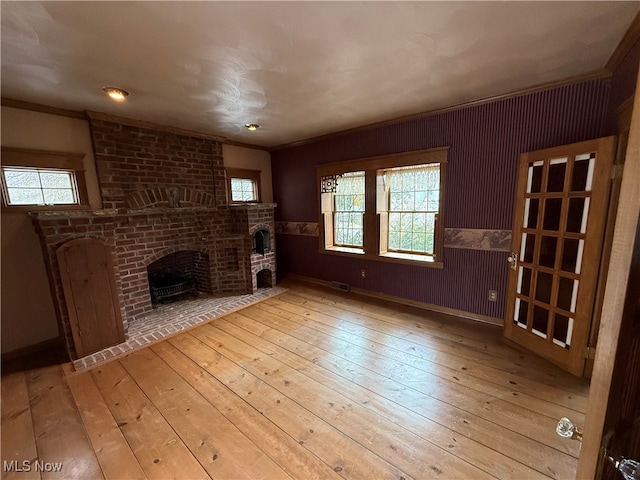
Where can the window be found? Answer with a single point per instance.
(343, 210)
(386, 208)
(39, 186)
(40, 179)
(409, 198)
(243, 186)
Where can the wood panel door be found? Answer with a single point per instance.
(89, 287)
(559, 219)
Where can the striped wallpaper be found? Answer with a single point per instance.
(485, 143)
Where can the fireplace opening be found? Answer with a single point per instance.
(261, 241)
(263, 278)
(170, 284)
(179, 275)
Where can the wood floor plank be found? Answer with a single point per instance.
(309, 384)
(478, 441)
(18, 438)
(395, 444)
(55, 417)
(159, 450)
(282, 448)
(539, 427)
(348, 458)
(218, 445)
(532, 395)
(114, 454)
(480, 362)
(454, 332)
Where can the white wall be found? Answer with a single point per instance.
(251, 159)
(27, 313)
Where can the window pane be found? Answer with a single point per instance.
(524, 281)
(22, 178)
(414, 197)
(348, 208)
(534, 183)
(540, 321)
(552, 214)
(557, 170)
(531, 212)
(40, 186)
(419, 242)
(548, 247)
(582, 172)
(543, 287)
(55, 180)
(243, 190)
(561, 330)
(25, 196)
(58, 196)
(521, 313)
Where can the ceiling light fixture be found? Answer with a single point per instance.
(252, 126)
(116, 93)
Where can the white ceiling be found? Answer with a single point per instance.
(299, 69)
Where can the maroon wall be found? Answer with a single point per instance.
(485, 143)
(623, 83)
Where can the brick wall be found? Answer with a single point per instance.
(162, 193)
(137, 240)
(192, 264)
(139, 167)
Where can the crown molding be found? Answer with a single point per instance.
(84, 115)
(36, 107)
(594, 75)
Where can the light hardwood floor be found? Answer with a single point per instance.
(308, 384)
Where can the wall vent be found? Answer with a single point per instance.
(343, 287)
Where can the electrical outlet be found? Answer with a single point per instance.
(493, 296)
(363, 273)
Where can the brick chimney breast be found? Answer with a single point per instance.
(162, 193)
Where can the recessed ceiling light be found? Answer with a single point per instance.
(252, 126)
(116, 93)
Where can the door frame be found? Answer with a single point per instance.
(628, 214)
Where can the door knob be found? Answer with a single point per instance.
(630, 469)
(513, 261)
(567, 429)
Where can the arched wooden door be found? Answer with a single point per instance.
(89, 287)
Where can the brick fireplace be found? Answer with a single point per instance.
(164, 200)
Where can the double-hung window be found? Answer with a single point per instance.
(386, 208)
(343, 212)
(409, 206)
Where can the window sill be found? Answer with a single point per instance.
(357, 251)
(398, 258)
(408, 256)
(44, 208)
